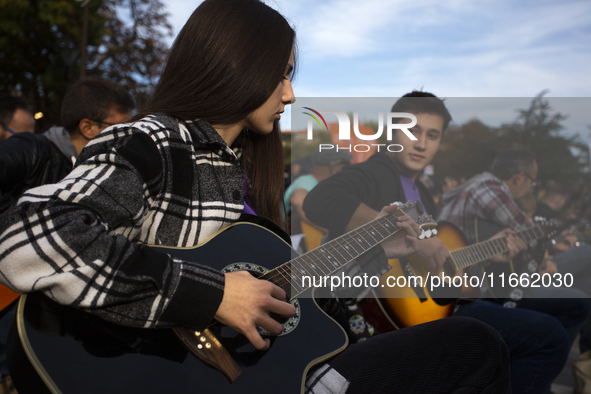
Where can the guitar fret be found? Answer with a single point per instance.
(501, 244)
(320, 254)
(460, 257)
(359, 240)
(332, 256)
(375, 236)
(283, 278)
(479, 254)
(370, 235)
(470, 254)
(299, 269)
(490, 249)
(526, 234)
(316, 265)
(489, 252)
(293, 282)
(466, 255)
(346, 248)
(463, 258)
(473, 254)
(342, 257)
(382, 230)
(357, 248)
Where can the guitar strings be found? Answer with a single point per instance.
(356, 232)
(359, 232)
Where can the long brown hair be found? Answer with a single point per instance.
(224, 64)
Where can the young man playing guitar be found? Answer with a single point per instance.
(355, 194)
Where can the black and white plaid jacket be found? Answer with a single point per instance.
(159, 181)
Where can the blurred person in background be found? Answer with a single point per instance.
(15, 117)
(28, 160)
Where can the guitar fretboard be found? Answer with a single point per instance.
(332, 256)
(477, 253)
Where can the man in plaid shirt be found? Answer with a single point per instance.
(489, 198)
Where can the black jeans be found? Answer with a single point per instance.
(538, 342)
(454, 355)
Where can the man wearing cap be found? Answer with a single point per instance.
(326, 164)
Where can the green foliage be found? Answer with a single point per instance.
(299, 147)
(470, 148)
(40, 43)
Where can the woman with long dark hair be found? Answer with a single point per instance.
(205, 149)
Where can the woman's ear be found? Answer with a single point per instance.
(86, 128)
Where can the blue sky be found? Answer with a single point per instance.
(453, 48)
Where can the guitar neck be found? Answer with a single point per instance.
(332, 256)
(482, 251)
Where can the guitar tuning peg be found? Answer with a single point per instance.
(422, 236)
(428, 233)
(434, 231)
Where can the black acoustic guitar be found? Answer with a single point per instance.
(65, 350)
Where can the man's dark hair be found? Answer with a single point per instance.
(93, 98)
(8, 106)
(417, 102)
(513, 161)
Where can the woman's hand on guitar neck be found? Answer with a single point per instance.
(247, 302)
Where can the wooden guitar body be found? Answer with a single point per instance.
(77, 352)
(408, 306)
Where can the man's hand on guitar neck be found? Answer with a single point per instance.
(434, 252)
(404, 242)
(248, 302)
(515, 245)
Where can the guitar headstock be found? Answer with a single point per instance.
(425, 221)
(549, 227)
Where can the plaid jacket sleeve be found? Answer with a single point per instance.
(74, 240)
(498, 206)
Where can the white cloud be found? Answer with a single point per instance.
(455, 48)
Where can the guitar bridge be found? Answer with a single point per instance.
(208, 349)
